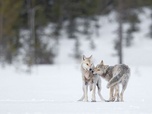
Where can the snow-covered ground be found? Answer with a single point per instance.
(55, 89)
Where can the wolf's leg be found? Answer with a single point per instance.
(86, 92)
(91, 87)
(99, 90)
(124, 86)
(121, 95)
(81, 99)
(99, 93)
(93, 93)
(117, 92)
(111, 98)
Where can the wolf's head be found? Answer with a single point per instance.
(87, 63)
(100, 69)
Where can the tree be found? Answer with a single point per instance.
(126, 13)
(32, 16)
(120, 30)
(77, 52)
(9, 19)
(38, 52)
(150, 26)
(132, 20)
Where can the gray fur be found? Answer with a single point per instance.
(115, 75)
(121, 74)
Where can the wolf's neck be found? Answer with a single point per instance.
(87, 76)
(108, 74)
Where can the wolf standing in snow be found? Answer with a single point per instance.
(115, 75)
(89, 79)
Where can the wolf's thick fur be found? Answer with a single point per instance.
(89, 79)
(115, 75)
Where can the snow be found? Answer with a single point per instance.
(55, 89)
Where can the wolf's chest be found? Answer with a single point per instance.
(88, 77)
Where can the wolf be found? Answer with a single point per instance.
(89, 79)
(115, 75)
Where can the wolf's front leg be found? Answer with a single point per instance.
(81, 99)
(86, 92)
(93, 93)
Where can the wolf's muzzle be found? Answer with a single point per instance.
(91, 70)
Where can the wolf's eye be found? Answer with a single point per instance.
(87, 64)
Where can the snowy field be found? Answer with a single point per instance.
(55, 89)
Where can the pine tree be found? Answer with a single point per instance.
(9, 20)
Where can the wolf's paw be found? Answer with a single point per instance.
(122, 101)
(117, 100)
(80, 100)
(112, 99)
(86, 100)
(93, 100)
(107, 100)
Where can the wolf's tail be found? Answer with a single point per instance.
(116, 79)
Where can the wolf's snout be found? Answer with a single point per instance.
(91, 70)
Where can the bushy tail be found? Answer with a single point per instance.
(114, 80)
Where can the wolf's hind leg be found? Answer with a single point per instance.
(121, 95)
(111, 98)
(124, 86)
(81, 99)
(99, 92)
(117, 92)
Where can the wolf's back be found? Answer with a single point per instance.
(120, 73)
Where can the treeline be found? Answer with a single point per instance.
(22, 25)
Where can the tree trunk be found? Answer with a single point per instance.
(31, 25)
(1, 26)
(151, 23)
(120, 31)
(1, 29)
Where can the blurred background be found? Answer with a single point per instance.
(61, 31)
(49, 37)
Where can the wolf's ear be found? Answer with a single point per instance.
(90, 57)
(102, 62)
(83, 57)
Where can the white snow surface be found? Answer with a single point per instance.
(55, 89)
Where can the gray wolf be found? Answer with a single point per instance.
(115, 75)
(89, 79)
